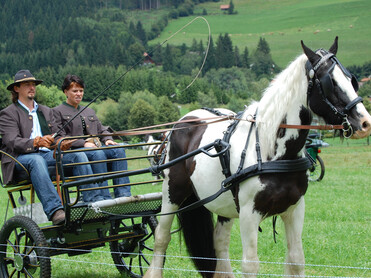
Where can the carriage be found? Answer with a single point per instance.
(28, 239)
(249, 165)
(313, 146)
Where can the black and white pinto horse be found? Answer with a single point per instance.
(314, 83)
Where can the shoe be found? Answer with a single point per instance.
(58, 217)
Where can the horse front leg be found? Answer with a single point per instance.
(293, 219)
(249, 225)
(162, 239)
(222, 235)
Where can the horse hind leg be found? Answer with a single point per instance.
(294, 220)
(222, 235)
(162, 239)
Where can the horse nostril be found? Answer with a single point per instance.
(366, 126)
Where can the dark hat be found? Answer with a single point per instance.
(23, 76)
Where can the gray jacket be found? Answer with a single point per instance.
(64, 112)
(15, 129)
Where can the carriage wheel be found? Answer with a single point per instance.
(23, 251)
(130, 255)
(317, 172)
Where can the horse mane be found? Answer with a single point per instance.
(286, 91)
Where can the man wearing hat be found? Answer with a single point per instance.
(26, 129)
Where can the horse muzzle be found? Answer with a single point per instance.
(365, 127)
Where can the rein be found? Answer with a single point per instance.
(217, 119)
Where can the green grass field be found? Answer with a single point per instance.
(336, 230)
(283, 24)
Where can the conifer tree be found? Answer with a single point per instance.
(245, 58)
(141, 33)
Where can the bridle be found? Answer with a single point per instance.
(326, 86)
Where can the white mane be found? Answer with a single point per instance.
(282, 99)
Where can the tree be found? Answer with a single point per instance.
(5, 96)
(245, 60)
(207, 100)
(167, 111)
(135, 53)
(237, 57)
(140, 33)
(141, 114)
(210, 59)
(50, 97)
(168, 59)
(263, 46)
(262, 61)
(231, 7)
(224, 52)
(365, 92)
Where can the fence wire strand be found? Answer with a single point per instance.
(189, 258)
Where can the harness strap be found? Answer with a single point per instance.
(279, 166)
(225, 157)
(353, 103)
(236, 187)
(276, 166)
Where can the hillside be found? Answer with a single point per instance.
(283, 23)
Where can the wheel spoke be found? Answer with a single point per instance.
(130, 264)
(145, 238)
(27, 241)
(144, 258)
(9, 260)
(148, 248)
(13, 246)
(11, 274)
(140, 263)
(22, 237)
(29, 251)
(26, 273)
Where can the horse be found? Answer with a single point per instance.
(315, 83)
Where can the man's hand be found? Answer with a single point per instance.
(110, 142)
(89, 145)
(44, 141)
(65, 145)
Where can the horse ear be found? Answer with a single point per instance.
(312, 56)
(334, 48)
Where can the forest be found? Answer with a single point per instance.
(96, 40)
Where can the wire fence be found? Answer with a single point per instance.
(190, 271)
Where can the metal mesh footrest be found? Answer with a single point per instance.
(124, 205)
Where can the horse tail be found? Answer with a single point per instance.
(198, 227)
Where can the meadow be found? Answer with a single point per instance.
(335, 237)
(283, 24)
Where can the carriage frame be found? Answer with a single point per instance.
(28, 240)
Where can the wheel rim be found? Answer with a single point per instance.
(22, 250)
(130, 255)
(317, 172)
(20, 255)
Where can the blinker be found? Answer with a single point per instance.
(355, 83)
(326, 80)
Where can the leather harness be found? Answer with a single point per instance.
(233, 181)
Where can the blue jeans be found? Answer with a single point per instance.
(119, 165)
(37, 166)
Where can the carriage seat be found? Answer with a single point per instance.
(23, 178)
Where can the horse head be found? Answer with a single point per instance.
(332, 92)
